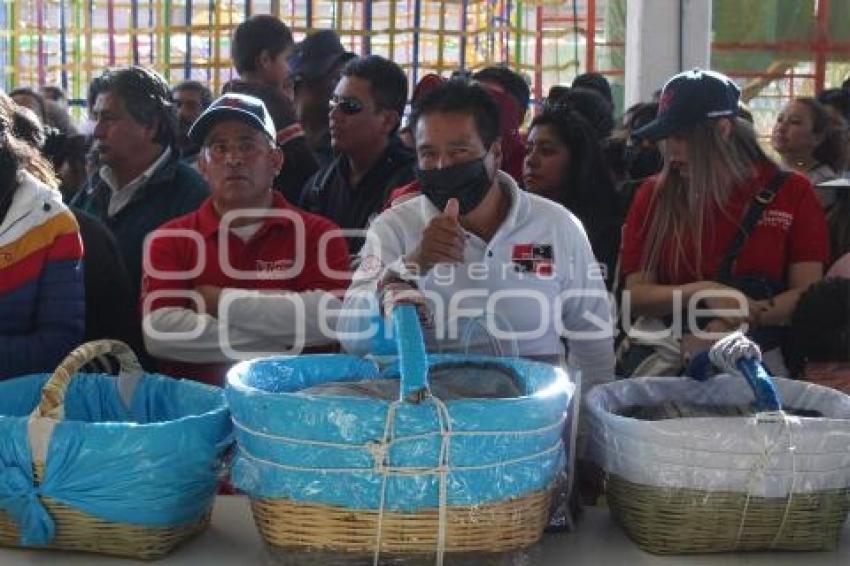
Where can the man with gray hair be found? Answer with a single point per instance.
(141, 182)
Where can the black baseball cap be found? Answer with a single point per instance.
(233, 106)
(690, 98)
(316, 55)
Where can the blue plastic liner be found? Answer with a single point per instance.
(327, 449)
(154, 463)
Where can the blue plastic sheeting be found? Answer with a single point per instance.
(413, 360)
(154, 463)
(325, 449)
(767, 397)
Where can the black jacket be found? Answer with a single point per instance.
(174, 190)
(328, 193)
(111, 310)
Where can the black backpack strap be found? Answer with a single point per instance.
(754, 212)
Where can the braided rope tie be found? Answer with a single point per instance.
(379, 454)
(367, 446)
(379, 451)
(725, 354)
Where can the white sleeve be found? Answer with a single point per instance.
(588, 317)
(179, 334)
(360, 321)
(297, 320)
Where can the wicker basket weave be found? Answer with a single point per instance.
(79, 531)
(496, 527)
(679, 521)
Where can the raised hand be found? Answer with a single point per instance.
(443, 241)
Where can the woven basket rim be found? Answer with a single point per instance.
(743, 419)
(596, 398)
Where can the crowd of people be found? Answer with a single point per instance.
(295, 210)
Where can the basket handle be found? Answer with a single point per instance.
(413, 360)
(52, 404)
(737, 354)
(767, 397)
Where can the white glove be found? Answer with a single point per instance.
(728, 350)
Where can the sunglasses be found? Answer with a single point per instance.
(348, 106)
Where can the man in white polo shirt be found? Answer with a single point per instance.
(475, 249)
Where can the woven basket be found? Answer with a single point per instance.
(701, 482)
(679, 521)
(360, 490)
(496, 527)
(79, 531)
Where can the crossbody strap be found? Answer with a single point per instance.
(754, 213)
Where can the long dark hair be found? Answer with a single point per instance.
(15, 155)
(820, 326)
(588, 189)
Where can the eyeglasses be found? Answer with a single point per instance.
(243, 149)
(348, 106)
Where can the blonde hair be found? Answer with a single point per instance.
(717, 166)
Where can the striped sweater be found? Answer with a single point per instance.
(42, 307)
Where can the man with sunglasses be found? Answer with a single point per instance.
(370, 160)
(473, 249)
(246, 274)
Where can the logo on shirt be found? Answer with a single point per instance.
(776, 219)
(272, 268)
(533, 258)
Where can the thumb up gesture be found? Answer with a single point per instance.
(442, 240)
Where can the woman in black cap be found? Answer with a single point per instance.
(720, 227)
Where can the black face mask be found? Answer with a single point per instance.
(467, 182)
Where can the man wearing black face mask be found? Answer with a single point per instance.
(475, 249)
